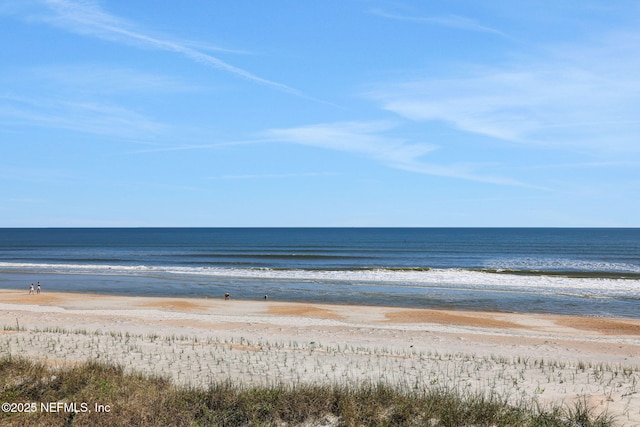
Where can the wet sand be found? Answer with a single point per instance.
(547, 358)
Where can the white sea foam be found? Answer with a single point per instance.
(449, 278)
(561, 264)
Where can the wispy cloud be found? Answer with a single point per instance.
(81, 116)
(366, 139)
(573, 96)
(450, 21)
(357, 137)
(369, 139)
(88, 18)
(89, 98)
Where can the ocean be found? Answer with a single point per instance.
(593, 272)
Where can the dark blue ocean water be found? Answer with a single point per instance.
(569, 271)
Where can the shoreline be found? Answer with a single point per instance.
(394, 301)
(547, 358)
(348, 312)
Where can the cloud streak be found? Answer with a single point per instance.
(365, 139)
(80, 116)
(87, 18)
(356, 137)
(572, 97)
(369, 139)
(450, 21)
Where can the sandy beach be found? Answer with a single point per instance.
(522, 357)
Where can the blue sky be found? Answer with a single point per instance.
(328, 113)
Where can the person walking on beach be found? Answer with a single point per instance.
(31, 289)
(38, 288)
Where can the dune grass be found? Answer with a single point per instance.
(137, 400)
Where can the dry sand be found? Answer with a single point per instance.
(523, 357)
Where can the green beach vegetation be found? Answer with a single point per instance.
(105, 394)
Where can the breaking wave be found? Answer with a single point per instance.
(592, 282)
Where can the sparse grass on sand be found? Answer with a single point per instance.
(138, 400)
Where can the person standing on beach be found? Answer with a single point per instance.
(31, 289)
(38, 288)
